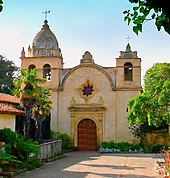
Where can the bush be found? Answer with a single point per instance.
(17, 145)
(157, 148)
(9, 162)
(66, 142)
(23, 148)
(32, 163)
(122, 146)
(109, 145)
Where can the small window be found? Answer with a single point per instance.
(32, 66)
(47, 72)
(128, 71)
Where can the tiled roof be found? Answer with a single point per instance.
(10, 110)
(8, 98)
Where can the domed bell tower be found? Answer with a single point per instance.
(45, 55)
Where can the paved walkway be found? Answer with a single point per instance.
(96, 165)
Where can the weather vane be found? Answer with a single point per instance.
(46, 12)
(128, 38)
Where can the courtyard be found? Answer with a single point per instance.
(96, 165)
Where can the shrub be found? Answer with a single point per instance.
(122, 146)
(66, 142)
(9, 162)
(157, 148)
(17, 145)
(53, 135)
(23, 148)
(109, 144)
(32, 163)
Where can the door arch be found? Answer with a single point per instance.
(87, 135)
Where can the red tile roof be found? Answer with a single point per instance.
(8, 98)
(10, 110)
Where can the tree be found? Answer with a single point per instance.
(152, 107)
(41, 109)
(33, 97)
(7, 72)
(1, 5)
(146, 10)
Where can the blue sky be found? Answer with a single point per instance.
(80, 25)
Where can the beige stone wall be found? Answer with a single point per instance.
(7, 121)
(39, 62)
(70, 89)
(111, 120)
(157, 139)
(123, 132)
(120, 73)
(54, 111)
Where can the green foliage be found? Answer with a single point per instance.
(157, 148)
(34, 99)
(153, 148)
(33, 163)
(20, 152)
(9, 137)
(139, 130)
(26, 83)
(7, 72)
(109, 145)
(53, 134)
(151, 108)
(23, 148)
(66, 142)
(147, 10)
(125, 146)
(17, 145)
(1, 5)
(122, 146)
(8, 161)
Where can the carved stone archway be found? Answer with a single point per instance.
(94, 112)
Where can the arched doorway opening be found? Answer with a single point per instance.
(87, 135)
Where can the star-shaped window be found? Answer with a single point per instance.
(87, 90)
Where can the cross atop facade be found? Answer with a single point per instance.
(46, 12)
(128, 38)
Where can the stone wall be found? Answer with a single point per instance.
(157, 139)
(50, 150)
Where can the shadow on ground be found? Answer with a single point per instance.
(88, 165)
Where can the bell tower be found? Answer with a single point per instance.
(45, 55)
(128, 69)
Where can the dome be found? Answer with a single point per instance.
(45, 38)
(45, 43)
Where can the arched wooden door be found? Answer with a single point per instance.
(87, 136)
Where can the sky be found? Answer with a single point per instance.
(96, 26)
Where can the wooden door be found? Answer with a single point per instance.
(87, 137)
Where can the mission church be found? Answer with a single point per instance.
(89, 100)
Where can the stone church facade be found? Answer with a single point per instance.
(90, 101)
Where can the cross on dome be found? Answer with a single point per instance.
(46, 12)
(128, 38)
